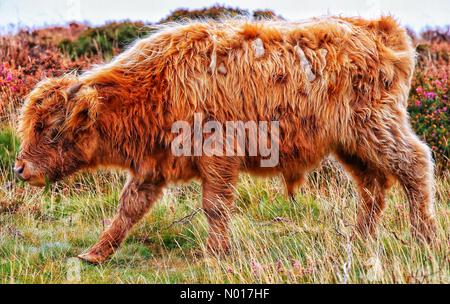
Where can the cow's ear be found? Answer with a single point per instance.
(73, 90)
(83, 113)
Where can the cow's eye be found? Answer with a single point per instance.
(39, 127)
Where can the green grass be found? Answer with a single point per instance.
(9, 145)
(273, 240)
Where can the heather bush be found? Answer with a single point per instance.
(28, 57)
(429, 101)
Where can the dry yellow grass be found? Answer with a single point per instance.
(273, 240)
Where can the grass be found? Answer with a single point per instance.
(273, 240)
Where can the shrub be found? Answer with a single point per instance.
(214, 12)
(429, 107)
(439, 34)
(28, 57)
(105, 41)
(265, 14)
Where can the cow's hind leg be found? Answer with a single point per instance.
(396, 149)
(136, 199)
(372, 185)
(411, 162)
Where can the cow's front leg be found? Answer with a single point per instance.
(136, 199)
(219, 176)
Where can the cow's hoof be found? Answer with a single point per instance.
(92, 258)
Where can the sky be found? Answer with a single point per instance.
(416, 14)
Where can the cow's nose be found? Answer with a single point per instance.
(18, 169)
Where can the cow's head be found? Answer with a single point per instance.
(57, 130)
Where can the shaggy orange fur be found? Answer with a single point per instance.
(336, 85)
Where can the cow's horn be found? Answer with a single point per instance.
(74, 89)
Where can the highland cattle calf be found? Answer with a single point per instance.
(334, 86)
